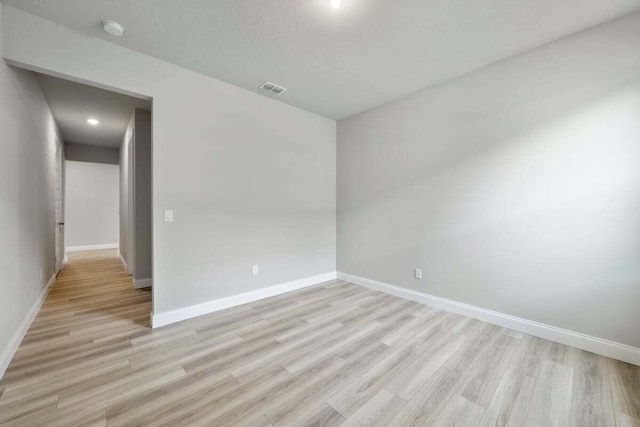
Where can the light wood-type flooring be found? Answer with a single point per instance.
(332, 354)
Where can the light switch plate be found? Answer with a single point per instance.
(168, 216)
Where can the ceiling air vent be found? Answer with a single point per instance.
(272, 88)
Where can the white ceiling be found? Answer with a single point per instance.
(334, 63)
(73, 103)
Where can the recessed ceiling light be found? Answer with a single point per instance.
(93, 122)
(335, 4)
(113, 28)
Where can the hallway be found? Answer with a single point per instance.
(91, 313)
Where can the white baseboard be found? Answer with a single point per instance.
(92, 247)
(173, 316)
(11, 348)
(612, 349)
(124, 263)
(142, 283)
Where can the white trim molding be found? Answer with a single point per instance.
(124, 263)
(142, 283)
(173, 316)
(11, 348)
(92, 247)
(612, 349)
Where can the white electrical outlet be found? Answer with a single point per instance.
(168, 216)
(418, 273)
(41, 274)
(255, 270)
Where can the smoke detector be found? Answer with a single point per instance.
(272, 88)
(113, 28)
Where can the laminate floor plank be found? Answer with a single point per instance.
(510, 403)
(591, 404)
(489, 370)
(378, 411)
(624, 420)
(551, 402)
(356, 393)
(459, 412)
(533, 351)
(625, 387)
(309, 399)
(428, 403)
(326, 355)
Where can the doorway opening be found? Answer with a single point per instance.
(103, 178)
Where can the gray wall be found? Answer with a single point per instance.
(91, 204)
(27, 143)
(91, 153)
(515, 188)
(251, 181)
(142, 202)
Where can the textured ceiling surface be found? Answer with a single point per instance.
(334, 63)
(73, 103)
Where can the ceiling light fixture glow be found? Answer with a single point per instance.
(93, 122)
(335, 4)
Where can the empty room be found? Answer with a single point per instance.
(320, 213)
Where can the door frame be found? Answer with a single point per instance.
(58, 216)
